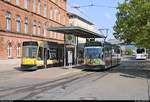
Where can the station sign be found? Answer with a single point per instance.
(70, 39)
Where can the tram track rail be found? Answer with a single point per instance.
(93, 77)
(41, 87)
(16, 90)
(65, 80)
(57, 79)
(63, 84)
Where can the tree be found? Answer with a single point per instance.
(133, 22)
(128, 51)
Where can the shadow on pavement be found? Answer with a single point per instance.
(90, 69)
(130, 69)
(133, 69)
(21, 70)
(130, 58)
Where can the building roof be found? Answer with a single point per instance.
(77, 31)
(72, 15)
(114, 41)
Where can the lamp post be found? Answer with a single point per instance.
(106, 29)
(45, 46)
(106, 33)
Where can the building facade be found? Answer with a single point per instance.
(27, 20)
(75, 20)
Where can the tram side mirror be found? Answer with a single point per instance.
(90, 56)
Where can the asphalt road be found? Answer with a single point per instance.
(129, 81)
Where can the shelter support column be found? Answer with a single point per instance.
(45, 54)
(77, 50)
(64, 52)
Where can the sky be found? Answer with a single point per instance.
(102, 17)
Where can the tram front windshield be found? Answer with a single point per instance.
(30, 50)
(93, 53)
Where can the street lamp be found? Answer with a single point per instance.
(106, 29)
(106, 33)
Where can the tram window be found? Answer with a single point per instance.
(93, 53)
(34, 52)
(118, 51)
(106, 52)
(30, 52)
(26, 52)
(30, 44)
(53, 53)
(48, 55)
(40, 53)
(53, 56)
(100, 56)
(113, 52)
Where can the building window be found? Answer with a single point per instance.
(51, 13)
(26, 3)
(39, 7)
(39, 29)
(9, 50)
(55, 14)
(7, 0)
(34, 27)
(18, 49)
(59, 17)
(45, 8)
(17, 2)
(45, 30)
(18, 24)
(34, 5)
(64, 20)
(26, 25)
(50, 32)
(8, 21)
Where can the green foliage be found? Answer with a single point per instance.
(133, 22)
(128, 51)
